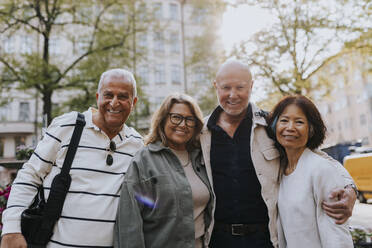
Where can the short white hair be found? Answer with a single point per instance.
(119, 73)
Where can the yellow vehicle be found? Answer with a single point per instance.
(360, 168)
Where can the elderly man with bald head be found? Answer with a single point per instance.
(245, 166)
(106, 147)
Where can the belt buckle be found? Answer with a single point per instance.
(237, 229)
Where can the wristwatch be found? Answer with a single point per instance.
(353, 187)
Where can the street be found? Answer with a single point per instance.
(362, 216)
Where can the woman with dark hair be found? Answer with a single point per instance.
(167, 198)
(306, 177)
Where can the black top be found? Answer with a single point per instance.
(238, 191)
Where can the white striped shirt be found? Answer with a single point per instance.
(89, 211)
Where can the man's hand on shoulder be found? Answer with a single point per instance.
(13, 240)
(342, 208)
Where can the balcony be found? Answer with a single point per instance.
(16, 127)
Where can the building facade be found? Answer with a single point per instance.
(168, 65)
(347, 110)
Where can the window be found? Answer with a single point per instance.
(28, 13)
(340, 82)
(199, 15)
(26, 45)
(19, 142)
(200, 75)
(82, 45)
(329, 108)
(363, 119)
(55, 46)
(1, 148)
(158, 10)
(158, 42)
(174, 43)
(118, 17)
(343, 103)
(173, 11)
(176, 74)
(4, 111)
(158, 101)
(9, 45)
(142, 13)
(142, 42)
(83, 14)
(347, 123)
(330, 128)
(159, 74)
(24, 111)
(143, 73)
(336, 106)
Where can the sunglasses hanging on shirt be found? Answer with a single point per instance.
(111, 149)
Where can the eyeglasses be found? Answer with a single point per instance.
(109, 158)
(177, 119)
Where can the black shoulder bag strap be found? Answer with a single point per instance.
(61, 182)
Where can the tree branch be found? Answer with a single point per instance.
(89, 52)
(319, 51)
(15, 73)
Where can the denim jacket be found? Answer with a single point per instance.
(156, 207)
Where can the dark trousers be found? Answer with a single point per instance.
(222, 239)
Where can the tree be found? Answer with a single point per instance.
(93, 36)
(305, 36)
(204, 52)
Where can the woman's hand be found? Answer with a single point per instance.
(342, 208)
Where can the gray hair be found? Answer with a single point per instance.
(119, 73)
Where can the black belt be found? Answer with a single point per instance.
(240, 229)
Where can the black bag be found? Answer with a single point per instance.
(37, 222)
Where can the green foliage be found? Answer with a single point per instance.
(93, 36)
(360, 237)
(24, 153)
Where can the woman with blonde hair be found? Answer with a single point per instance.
(167, 197)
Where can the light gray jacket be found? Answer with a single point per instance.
(156, 207)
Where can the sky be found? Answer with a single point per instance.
(241, 23)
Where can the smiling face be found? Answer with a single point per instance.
(292, 128)
(115, 102)
(178, 135)
(234, 86)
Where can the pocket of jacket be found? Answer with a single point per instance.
(270, 153)
(161, 191)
